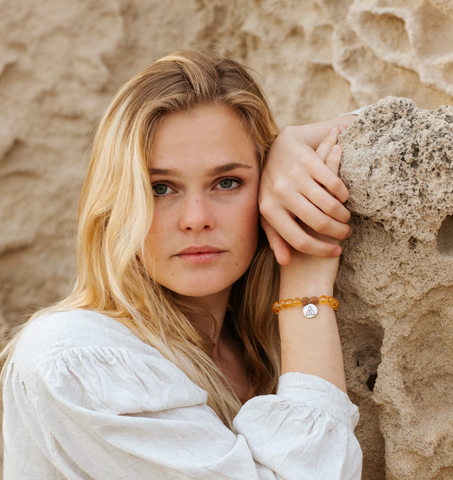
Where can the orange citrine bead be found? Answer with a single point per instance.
(297, 301)
(334, 303)
(323, 299)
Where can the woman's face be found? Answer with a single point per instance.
(205, 179)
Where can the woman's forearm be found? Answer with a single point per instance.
(311, 345)
(312, 134)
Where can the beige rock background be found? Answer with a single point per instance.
(60, 64)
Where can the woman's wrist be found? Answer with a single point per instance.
(305, 289)
(306, 282)
(314, 275)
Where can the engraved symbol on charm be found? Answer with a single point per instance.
(310, 310)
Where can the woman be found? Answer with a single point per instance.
(167, 361)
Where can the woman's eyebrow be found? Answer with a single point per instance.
(212, 172)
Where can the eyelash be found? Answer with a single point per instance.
(235, 179)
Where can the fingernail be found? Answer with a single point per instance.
(334, 131)
(336, 252)
(336, 149)
(342, 129)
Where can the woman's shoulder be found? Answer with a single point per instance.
(53, 332)
(58, 333)
(91, 360)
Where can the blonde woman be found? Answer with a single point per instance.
(167, 361)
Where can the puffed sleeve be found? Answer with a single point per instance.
(111, 414)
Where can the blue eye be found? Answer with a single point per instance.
(160, 189)
(228, 183)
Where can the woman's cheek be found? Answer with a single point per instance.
(246, 222)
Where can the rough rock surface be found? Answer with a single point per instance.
(61, 62)
(396, 284)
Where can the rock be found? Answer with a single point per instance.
(395, 285)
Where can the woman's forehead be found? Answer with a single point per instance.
(209, 135)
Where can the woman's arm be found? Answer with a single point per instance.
(312, 345)
(293, 186)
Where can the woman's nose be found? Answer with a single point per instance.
(196, 214)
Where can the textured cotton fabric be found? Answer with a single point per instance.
(85, 398)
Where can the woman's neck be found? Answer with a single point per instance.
(216, 305)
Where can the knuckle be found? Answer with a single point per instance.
(336, 183)
(279, 186)
(330, 206)
(319, 223)
(299, 243)
(265, 208)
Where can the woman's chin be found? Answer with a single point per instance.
(199, 290)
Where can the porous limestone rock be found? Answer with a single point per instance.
(395, 284)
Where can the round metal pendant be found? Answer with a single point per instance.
(310, 310)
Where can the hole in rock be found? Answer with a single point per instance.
(445, 238)
(413, 243)
(371, 382)
(367, 355)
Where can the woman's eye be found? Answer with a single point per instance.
(228, 184)
(160, 189)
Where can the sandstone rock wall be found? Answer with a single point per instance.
(61, 62)
(396, 283)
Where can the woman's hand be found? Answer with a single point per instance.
(291, 189)
(314, 271)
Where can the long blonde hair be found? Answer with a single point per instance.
(115, 215)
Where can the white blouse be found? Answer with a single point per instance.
(85, 398)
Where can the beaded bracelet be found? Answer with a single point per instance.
(310, 308)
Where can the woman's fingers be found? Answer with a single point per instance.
(330, 154)
(324, 200)
(281, 249)
(325, 177)
(296, 183)
(326, 145)
(295, 236)
(333, 160)
(321, 222)
(326, 203)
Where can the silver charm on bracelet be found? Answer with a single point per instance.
(310, 310)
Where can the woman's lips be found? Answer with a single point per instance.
(200, 255)
(200, 249)
(200, 258)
